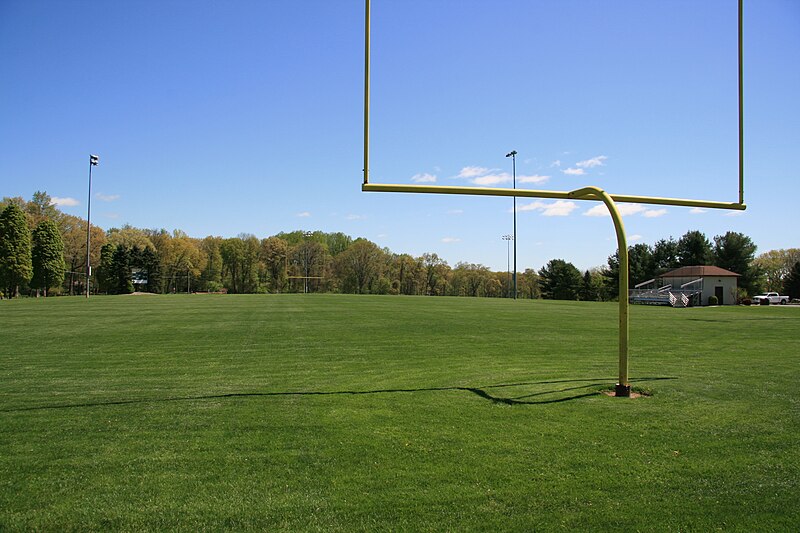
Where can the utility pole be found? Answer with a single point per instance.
(513, 155)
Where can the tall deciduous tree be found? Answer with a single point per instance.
(274, 255)
(47, 256)
(15, 250)
(775, 266)
(359, 265)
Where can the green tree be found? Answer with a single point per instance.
(274, 255)
(665, 255)
(47, 256)
(735, 252)
(122, 282)
(41, 208)
(359, 265)
(15, 250)
(694, 249)
(775, 266)
(105, 272)
(792, 284)
(560, 280)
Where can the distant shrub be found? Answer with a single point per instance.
(712, 300)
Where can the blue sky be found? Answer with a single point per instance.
(221, 118)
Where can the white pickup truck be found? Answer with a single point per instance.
(771, 297)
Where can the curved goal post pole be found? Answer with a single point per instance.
(623, 387)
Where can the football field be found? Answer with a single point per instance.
(355, 413)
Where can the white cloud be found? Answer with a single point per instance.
(556, 163)
(450, 240)
(473, 172)
(734, 213)
(492, 179)
(107, 197)
(455, 211)
(634, 238)
(423, 178)
(593, 162)
(355, 217)
(304, 214)
(532, 179)
(697, 211)
(625, 209)
(63, 202)
(654, 213)
(559, 208)
(574, 172)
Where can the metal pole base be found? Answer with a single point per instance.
(622, 390)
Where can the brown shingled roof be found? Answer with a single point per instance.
(698, 272)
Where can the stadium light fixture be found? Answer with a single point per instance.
(94, 160)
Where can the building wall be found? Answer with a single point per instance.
(728, 285)
(709, 284)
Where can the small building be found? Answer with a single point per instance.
(705, 281)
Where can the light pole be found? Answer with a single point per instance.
(513, 155)
(306, 234)
(508, 239)
(93, 162)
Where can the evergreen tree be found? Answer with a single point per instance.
(735, 252)
(560, 280)
(15, 250)
(105, 274)
(47, 256)
(694, 249)
(792, 284)
(122, 283)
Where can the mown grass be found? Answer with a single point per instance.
(323, 412)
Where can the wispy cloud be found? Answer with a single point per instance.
(448, 240)
(455, 211)
(355, 217)
(654, 213)
(487, 176)
(697, 211)
(601, 210)
(303, 214)
(559, 208)
(634, 238)
(574, 171)
(492, 179)
(556, 163)
(106, 197)
(111, 215)
(533, 179)
(423, 178)
(734, 213)
(473, 172)
(63, 202)
(593, 162)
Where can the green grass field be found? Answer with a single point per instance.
(293, 412)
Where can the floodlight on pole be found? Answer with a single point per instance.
(94, 160)
(513, 155)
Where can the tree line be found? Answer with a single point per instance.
(43, 251)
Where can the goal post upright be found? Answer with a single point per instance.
(586, 193)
